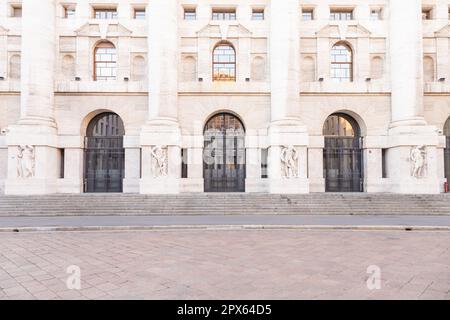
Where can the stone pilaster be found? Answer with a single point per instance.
(32, 142)
(412, 143)
(285, 129)
(161, 136)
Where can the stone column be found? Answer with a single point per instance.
(406, 50)
(286, 129)
(412, 153)
(33, 170)
(162, 128)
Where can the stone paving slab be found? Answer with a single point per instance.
(221, 264)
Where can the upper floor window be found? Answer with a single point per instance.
(139, 13)
(69, 12)
(341, 63)
(258, 14)
(427, 13)
(224, 62)
(16, 11)
(190, 14)
(307, 14)
(105, 63)
(224, 14)
(105, 13)
(376, 14)
(341, 14)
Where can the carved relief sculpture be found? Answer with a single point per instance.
(159, 161)
(25, 162)
(418, 161)
(289, 162)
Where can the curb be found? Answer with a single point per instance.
(223, 228)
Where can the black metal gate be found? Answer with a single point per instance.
(343, 164)
(104, 159)
(104, 155)
(224, 155)
(447, 159)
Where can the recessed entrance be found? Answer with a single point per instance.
(343, 156)
(224, 154)
(104, 154)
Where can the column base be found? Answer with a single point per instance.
(412, 160)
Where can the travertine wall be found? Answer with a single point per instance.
(405, 103)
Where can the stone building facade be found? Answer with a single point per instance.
(179, 96)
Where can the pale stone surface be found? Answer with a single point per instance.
(284, 103)
(259, 265)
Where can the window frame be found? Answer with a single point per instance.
(214, 63)
(189, 12)
(335, 63)
(224, 12)
(261, 12)
(115, 13)
(102, 45)
(341, 12)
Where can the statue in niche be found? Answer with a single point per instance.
(159, 161)
(25, 162)
(418, 161)
(289, 162)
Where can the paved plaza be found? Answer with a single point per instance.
(224, 264)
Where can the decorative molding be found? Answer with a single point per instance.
(103, 30)
(444, 32)
(3, 31)
(224, 31)
(343, 31)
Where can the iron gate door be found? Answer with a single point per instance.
(104, 164)
(224, 155)
(343, 164)
(447, 159)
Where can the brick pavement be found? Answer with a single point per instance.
(275, 264)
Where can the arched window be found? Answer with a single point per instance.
(224, 62)
(105, 61)
(341, 63)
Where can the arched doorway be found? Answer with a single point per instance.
(224, 154)
(343, 156)
(104, 154)
(447, 150)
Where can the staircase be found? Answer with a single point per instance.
(221, 204)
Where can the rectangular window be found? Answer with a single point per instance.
(224, 14)
(376, 14)
(264, 161)
(69, 12)
(258, 14)
(16, 11)
(427, 13)
(341, 15)
(105, 13)
(190, 14)
(139, 14)
(307, 14)
(184, 163)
